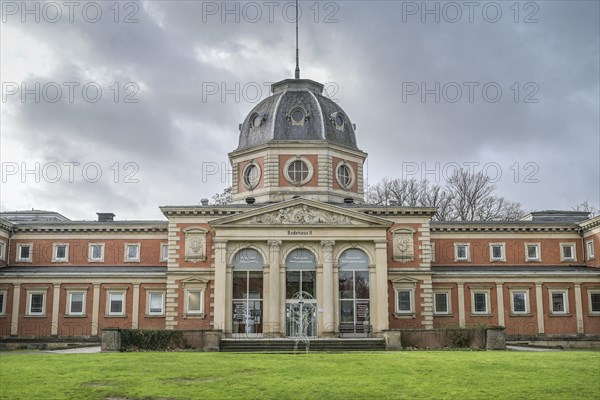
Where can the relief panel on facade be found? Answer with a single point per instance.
(195, 244)
(404, 247)
(302, 215)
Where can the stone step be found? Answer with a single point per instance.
(289, 345)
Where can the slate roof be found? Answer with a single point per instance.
(277, 127)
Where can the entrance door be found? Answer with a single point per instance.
(301, 316)
(300, 289)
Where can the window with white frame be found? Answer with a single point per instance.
(194, 301)
(1, 250)
(497, 252)
(24, 252)
(36, 302)
(156, 303)
(404, 301)
(60, 252)
(96, 252)
(532, 252)
(76, 302)
(461, 252)
(480, 301)
(164, 252)
(590, 250)
(441, 302)
(594, 301)
(567, 252)
(519, 301)
(559, 303)
(3, 301)
(116, 303)
(132, 252)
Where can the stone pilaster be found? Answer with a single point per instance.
(220, 300)
(274, 289)
(381, 321)
(328, 309)
(95, 308)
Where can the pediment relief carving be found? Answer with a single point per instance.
(302, 215)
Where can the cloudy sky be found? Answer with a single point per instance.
(127, 106)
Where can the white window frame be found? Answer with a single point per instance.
(162, 252)
(565, 295)
(538, 252)
(590, 249)
(4, 293)
(590, 293)
(149, 295)
(2, 247)
(448, 303)
(55, 252)
(286, 175)
(70, 293)
(139, 252)
(467, 247)
(411, 298)
(524, 291)
(109, 293)
(502, 257)
(573, 253)
(91, 252)
(486, 292)
(18, 255)
(187, 301)
(36, 291)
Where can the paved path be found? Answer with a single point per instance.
(95, 349)
(524, 348)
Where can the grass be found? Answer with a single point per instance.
(188, 375)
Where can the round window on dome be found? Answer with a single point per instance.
(345, 177)
(298, 171)
(257, 121)
(251, 176)
(298, 115)
(339, 121)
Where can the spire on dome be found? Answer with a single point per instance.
(297, 51)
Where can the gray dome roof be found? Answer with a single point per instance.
(297, 111)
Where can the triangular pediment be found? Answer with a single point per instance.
(302, 212)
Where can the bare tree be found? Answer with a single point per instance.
(586, 206)
(466, 197)
(223, 198)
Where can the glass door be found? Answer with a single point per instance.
(247, 302)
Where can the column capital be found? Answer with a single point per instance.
(274, 243)
(328, 244)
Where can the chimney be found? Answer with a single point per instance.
(204, 202)
(393, 203)
(250, 200)
(348, 200)
(105, 217)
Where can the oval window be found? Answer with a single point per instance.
(251, 176)
(298, 115)
(344, 176)
(298, 172)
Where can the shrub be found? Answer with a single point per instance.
(139, 339)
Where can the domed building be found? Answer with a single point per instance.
(299, 255)
(297, 142)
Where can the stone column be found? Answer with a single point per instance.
(14, 326)
(95, 308)
(328, 310)
(220, 299)
(461, 304)
(500, 298)
(274, 289)
(539, 307)
(382, 321)
(578, 308)
(135, 309)
(55, 309)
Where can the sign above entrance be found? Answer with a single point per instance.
(246, 259)
(301, 259)
(354, 259)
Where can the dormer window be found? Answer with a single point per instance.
(297, 116)
(256, 120)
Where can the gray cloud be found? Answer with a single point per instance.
(174, 135)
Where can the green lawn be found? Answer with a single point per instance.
(423, 374)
